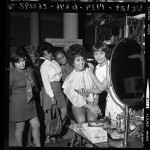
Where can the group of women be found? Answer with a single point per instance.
(65, 77)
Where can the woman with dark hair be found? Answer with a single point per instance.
(52, 89)
(22, 106)
(101, 78)
(62, 59)
(84, 107)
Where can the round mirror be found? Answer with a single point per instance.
(127, 71)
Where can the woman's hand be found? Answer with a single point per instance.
(53, 100)
(99, 110)
(91, 67)
(82, 92)
(95, 110)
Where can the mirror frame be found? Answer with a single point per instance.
(111, 88)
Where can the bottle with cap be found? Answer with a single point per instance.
(109, 122)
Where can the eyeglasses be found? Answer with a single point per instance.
(63, 56)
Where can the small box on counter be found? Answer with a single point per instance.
(94, 134)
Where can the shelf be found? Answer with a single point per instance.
(114, 24)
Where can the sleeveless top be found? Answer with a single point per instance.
(113, 105)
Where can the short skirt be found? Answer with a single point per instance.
(19, 109)
(58, 94)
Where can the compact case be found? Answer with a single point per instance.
(94, 134)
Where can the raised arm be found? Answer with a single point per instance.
(100, 86)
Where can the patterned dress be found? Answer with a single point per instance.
(66, 70)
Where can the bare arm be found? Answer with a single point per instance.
(100, 86)
(94, 91)
(92, 108)
(96, 100)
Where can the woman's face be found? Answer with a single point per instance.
(48, 56)
(33, 58)
(79, 63)
(100, 57)
(61, 58)
(20, 64)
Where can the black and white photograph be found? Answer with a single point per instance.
(87, 0)
(76, 79)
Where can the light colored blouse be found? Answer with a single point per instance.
(100, 72)
(78, 80)
(50, 71)
(112, 101)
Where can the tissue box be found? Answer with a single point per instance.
(94, 134)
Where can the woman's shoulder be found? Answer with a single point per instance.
(55, 62)
(43, 65)
(40, 61)
(12, 71)
(29, 70)
(70, 66)
(14, 74)
(67, 66)
(70, 75)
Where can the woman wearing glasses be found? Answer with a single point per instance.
(66, 68)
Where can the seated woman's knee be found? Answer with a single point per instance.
(81, 119)
(91, 119)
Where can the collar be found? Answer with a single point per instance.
(107, 63)
(42, 58)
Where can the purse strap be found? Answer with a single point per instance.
(54, 110)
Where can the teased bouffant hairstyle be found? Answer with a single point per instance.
(45, 46)
(74, 51)
(101, 46)
(16, 53)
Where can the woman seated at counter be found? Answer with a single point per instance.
(85, 108)
(100, 76)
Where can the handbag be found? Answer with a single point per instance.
(54, 125)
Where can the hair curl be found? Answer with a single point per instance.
(74, 51)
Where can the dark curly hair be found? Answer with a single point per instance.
(45, 46)
(16, 53)
(103, 47)
(74, 51)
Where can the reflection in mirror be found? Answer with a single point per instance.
(127, 71)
